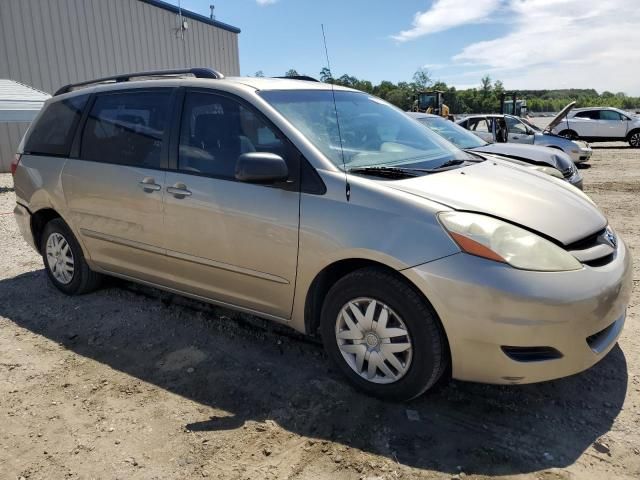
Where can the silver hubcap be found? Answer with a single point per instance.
(635, 140)
(373, 340)
(59, 258)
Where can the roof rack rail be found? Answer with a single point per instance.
(301, 77)
(126, 77)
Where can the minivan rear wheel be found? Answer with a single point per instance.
(383, 335)
(64, 261)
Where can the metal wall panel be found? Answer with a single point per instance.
(10, 135)
(47, 44)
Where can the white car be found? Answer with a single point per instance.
(499, 128)
(601, 124)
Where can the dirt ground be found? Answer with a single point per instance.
(132, 383)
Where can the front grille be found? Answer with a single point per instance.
(531, 354)
(596, 250)
(600, 262)
(587, 242)
(567, 172)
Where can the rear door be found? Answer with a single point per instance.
(481, 126)
(115, 185)
(586, 123)
(233, 242)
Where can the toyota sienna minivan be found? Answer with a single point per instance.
(328, 210)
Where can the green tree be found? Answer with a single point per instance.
(486, 86)
(325, 75)
(259, 73)
(421, 80)
(291, 73)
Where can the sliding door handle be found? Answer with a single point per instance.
(179, 191)
(149, 185)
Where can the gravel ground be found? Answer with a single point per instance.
(129, 382)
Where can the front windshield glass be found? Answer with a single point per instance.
(373, 133)
(460, 137)
(530, 125)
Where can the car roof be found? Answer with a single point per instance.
(254, 83)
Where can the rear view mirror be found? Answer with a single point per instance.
(261, 167)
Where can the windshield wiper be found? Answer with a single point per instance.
(390, 172)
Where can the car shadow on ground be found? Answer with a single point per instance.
(583, 166)
(250, 371)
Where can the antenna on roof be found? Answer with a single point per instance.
(212, 16)
(335, 109)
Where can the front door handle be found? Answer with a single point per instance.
(179, 190)
(148, 184)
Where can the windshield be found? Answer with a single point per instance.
(460, 137)
(530, 125)
(372, 132)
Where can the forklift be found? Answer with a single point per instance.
(510, 105)
(431, 102)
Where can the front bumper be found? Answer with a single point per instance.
(584, 154)
(485, 306)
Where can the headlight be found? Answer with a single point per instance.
(500, 241)
(549, 171)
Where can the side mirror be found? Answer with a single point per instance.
(261, 167)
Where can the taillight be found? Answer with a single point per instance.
(14, 164)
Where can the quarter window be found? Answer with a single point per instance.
(216, 130)
(127, 128)
(54, 131)
(479, 125)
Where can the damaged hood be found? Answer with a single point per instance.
(528, 153)
(533, 200)
(559, 117)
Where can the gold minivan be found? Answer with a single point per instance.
(328, 210)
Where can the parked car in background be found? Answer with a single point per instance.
(498, 128)
(410, 257)
(600, 124)
(547, 160)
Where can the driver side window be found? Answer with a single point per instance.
(609, 115)
(216, 130)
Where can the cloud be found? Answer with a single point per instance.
(446, 14)
(564, 43)
(263, 3)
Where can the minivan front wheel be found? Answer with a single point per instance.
(383, 335)
(64, 260)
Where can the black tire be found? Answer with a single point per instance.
(634, 139)
(83, 279)
(570, 134)
(430, 353)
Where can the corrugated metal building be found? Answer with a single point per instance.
(19, 105)
(49, 43)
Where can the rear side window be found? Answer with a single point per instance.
(127, 128)
(592, 114)
(54, 131)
